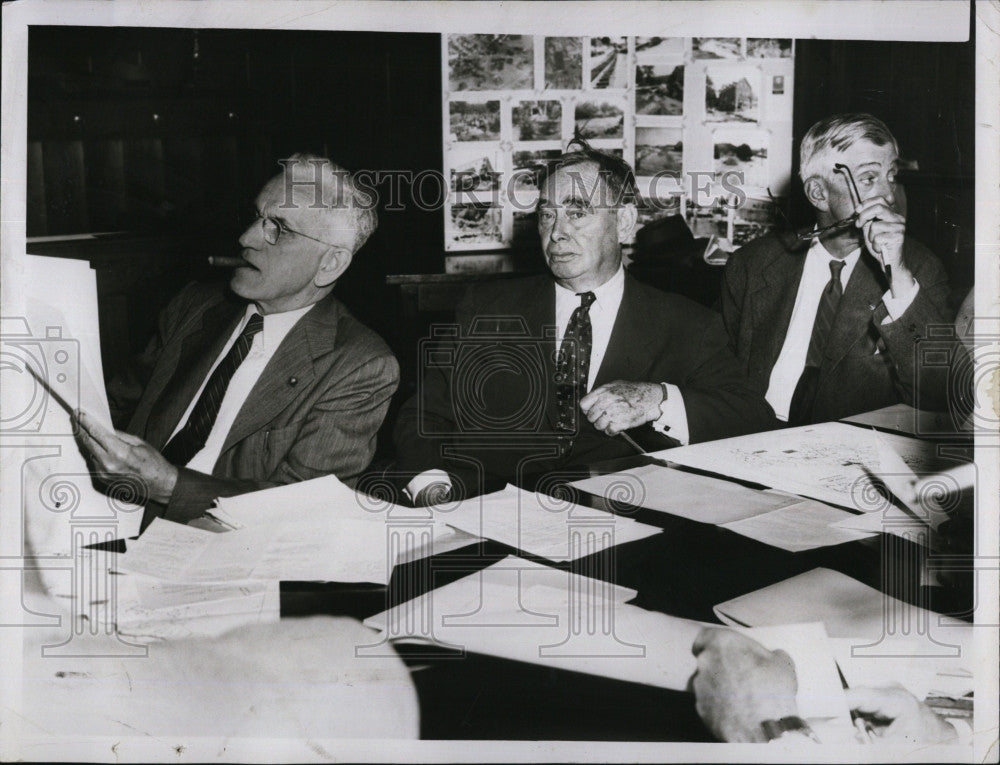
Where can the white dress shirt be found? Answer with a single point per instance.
(265, 343)
(603, 313)
(792, 360)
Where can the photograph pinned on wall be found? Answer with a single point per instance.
(475, 223)
(706, 220)
(537, 120)
(650, 208)
(491, 62)
(778, 85)
(473, 169)
(659, 151)
(716, 47)
(753, 218)
(474, 121)
(527, 165)
(732, 93)
(666, 47)
(599, 119)
(769, 47)
(659, 89)
(745, 232)
(563, 63)
(608, 62)
(741, 157)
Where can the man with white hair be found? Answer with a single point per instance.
(269, 382)
(826, 323)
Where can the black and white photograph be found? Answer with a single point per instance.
(665, 47)
(741, 156)
(659, 89)
(332, 429)
(563, 63)
(659, 151)
(490, 62)
(537, 120)
(716, 47)
(769, 47)
(608, 62)
(474, 121)
(598, 118)
(732, 93)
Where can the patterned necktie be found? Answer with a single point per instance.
(190, 439)
(573, 362)
(805, 391)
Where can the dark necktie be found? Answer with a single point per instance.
(573, 362)
(190, 439)
(805, 391)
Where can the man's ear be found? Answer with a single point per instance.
(815, 189)
(331, 265)
(627, 216)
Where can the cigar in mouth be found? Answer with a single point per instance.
(222, 261)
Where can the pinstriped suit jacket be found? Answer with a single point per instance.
(314, 411)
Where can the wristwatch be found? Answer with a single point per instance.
(787, 727)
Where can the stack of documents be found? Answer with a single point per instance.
(780, 520)
(544, 526)
(528, 612)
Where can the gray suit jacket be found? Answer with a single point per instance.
(867, 364)
(315, 410)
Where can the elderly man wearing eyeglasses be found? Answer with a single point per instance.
(269, 382)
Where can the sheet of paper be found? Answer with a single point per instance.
(847, 607)
(687, 495)
(827, 462)
(903, 418)
(347, 551)
(544, 526)
(519, 610)
(804, 525)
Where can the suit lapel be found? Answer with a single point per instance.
(772, 302)
(626, 357)
(311, 337)
(861, 296)
(198, 353)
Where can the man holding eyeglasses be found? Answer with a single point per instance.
(270, 382)
(827, 323)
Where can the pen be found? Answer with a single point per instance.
(631, 442)
(863, 729)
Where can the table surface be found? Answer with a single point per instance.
(684, 572)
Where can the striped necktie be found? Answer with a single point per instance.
(190, 439)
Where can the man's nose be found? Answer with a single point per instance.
(558, 231)
(252, 236)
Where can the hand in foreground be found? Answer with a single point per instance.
(900, 716)
(884, 236)
(739, 684)
(621, 405)
(118, 454)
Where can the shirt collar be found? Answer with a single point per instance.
(609, 293)
(819, 252)
(276, 325)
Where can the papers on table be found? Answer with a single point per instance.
(348, 551)
(543, 526)
(831, 462)
(788, 522)
(52, 366)
(527, 612)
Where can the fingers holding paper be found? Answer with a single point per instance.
(899, 715)
(621, 405)
(119, 454)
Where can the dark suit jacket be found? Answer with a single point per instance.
(867, 364)
(485, 409)
(314, 411)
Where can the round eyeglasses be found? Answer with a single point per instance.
(272, 228)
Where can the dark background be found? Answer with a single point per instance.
(168, 134)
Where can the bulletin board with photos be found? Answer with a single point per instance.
(697, 118)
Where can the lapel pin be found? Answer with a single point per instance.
(293, 381)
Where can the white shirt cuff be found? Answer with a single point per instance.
(896, 306)
(421, 481)
(673, 419)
